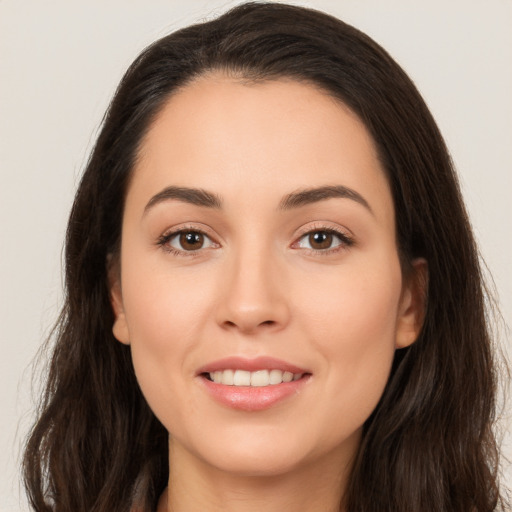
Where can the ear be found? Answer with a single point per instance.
(120, 327)
(413, 304)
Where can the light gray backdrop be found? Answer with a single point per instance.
(59, 64)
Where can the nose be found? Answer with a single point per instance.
(254, 295)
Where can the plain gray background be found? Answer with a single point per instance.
(59, 64)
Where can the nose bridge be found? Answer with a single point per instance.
(254, 295)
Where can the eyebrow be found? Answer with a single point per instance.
(314, 195)
(201, 197)
(195, 196)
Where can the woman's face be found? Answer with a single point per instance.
(258, 246)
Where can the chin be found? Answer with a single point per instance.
(269, 452)
(257, 464)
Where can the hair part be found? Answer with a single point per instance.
(429, 444)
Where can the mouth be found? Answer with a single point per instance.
(252, 385)
(259, 378)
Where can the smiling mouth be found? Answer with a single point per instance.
(259, 378)
(252, 385)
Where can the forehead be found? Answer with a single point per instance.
(271, 137)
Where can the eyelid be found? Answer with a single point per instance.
(324, 226)
(344, 235)
(189, 226)
(170, 233)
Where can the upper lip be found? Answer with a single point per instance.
(250, 365)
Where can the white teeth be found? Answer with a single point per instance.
(255, 379)
(226, 377)
(260, 378)
(242, 378)
(276, 377)
(287, 377)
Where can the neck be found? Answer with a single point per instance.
(196, 485)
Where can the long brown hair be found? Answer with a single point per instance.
(429, 445)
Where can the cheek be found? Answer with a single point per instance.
(164, 316)
(353, 327)
(163, 308)
(358, 309)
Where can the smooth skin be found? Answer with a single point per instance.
(317, 283)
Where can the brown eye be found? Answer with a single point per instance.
(186, 241)
(320, 240)
(324, 241)
(191, 240)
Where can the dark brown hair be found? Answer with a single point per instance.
(428, 446)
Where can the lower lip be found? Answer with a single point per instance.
(249, 398)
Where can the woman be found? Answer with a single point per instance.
(273, 293)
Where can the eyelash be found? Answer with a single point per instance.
(163, 241)
(346, 241)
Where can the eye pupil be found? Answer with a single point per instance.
(191, 240)
(320, 240)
